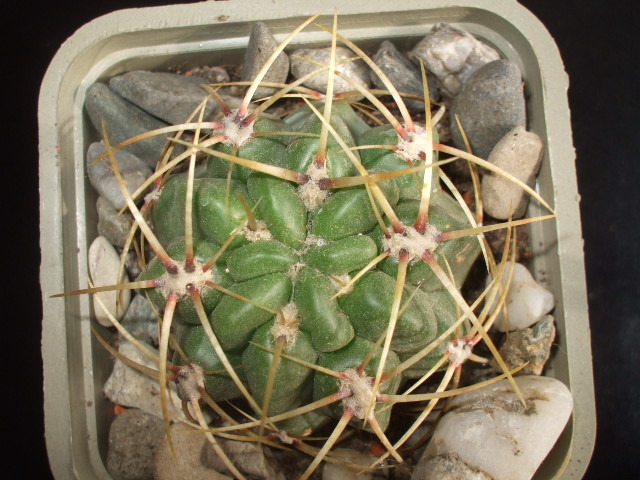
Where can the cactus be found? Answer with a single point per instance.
(311, 266)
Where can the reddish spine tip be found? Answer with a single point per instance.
(248, 120)
(428, 257)
(319, 160)
(325, 183)
(398, 227)
(192, 289)
(189, 264)
(403, 133)
(302, 178)
(421, 224)
(172, 268)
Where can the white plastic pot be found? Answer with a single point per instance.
(77, 416)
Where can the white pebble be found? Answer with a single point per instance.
(518, 153)
(527, 302)
(104, 266)
(492, 432)
(452, 55)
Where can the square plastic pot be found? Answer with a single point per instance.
(77, 416)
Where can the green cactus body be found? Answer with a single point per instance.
(291, 271)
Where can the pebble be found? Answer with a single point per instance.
(357, 70)
(133, 170)
(249, 457)
(403, 74)
(112, 226)
(210, 73)
(104, 267)
(131, 388)
(141, 321)
(490, 104)
(186, 463)
(527, 301)
(132, 265)
(134, 438)
(452, 55)
(492, 432)
(168, 96)
(518, 153)
(531, 345)
(261, 46)
(124, 120)
(357, 461)
(447, 467)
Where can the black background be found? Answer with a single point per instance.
(598, 41)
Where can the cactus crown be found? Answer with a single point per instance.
(311, 265)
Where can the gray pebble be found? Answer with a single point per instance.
(357, 70)
(168, 96)
(124, 120)
(403, 74)
(134, 438)
(112, 226)
(531, 345)
(132, 265)
(261, 46)
(141, 321)
(519, 153)
(133, 170)
(490, 104)
(452, 55)
(131, 388)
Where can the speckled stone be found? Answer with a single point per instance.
(490, 104)
(250, 458)
(134, 438)
(186, 464)
(530, 345)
